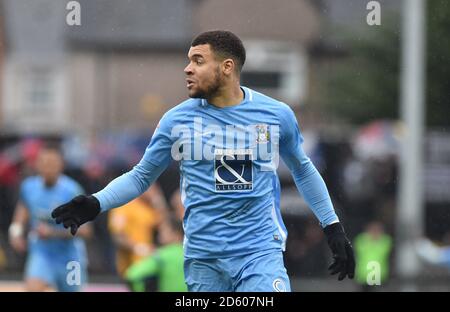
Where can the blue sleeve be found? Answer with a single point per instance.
(308, 180)
(130, 185)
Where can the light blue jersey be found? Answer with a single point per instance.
(48, 258)
(229, 185)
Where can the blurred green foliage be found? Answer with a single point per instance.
(365, 84)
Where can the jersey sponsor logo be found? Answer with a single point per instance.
(233, 170)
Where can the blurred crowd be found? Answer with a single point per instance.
(148, 228)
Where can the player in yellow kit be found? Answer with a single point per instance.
(133, 227)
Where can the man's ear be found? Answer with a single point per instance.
(228, 66)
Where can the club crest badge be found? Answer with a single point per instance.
(262, 133)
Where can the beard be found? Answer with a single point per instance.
(210, 89)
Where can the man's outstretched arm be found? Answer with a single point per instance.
(123, 189)
(129, 185)
(310, 184)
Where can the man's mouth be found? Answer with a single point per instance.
(189, 83)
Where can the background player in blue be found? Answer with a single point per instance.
(227, 138)
(50, 248)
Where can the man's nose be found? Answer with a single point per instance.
(188, 69)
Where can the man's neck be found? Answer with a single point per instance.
(227, 96)
(50, 182)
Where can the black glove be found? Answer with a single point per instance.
(76, 212)
(344, 260)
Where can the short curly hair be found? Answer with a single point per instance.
(224, 44)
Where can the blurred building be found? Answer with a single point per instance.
(35, 86)
(123, 66)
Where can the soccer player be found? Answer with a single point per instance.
(163, 269)
(228, 139)
(56, 260)
(133, 226)
(372, 245)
